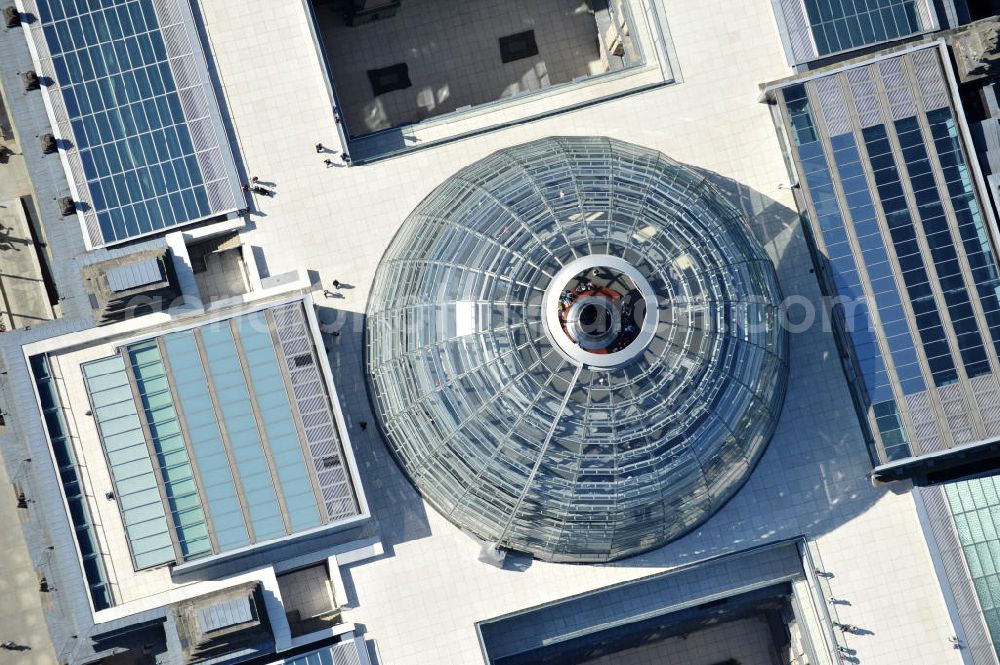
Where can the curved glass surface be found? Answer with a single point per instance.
(493, 414)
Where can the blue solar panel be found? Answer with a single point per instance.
(131, 120)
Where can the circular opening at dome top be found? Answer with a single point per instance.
(600, 311)
(593, 320)
(588, 318)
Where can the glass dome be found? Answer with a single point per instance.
(573, 349)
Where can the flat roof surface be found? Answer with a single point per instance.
(420, 602)
(131, 95)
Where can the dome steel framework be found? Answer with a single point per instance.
(574, 349)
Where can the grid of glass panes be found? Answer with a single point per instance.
(975, 506)
(904, 239)
(277, 421)
(179, 485)
(240, 426)
(129, 462)
(846, 276)
(467, 384)
(323, 447)
(968, 217)
(128, 125)
(841, 25)
(934, 223)
(236, 414)
(207, 448)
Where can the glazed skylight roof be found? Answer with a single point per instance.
(219, 436)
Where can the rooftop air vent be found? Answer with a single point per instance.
(11, 17)
(30, 80)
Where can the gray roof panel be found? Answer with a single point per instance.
(225, 614)
(134, 275)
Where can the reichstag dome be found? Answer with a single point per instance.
(573, 349)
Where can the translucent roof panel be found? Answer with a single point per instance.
(135, 482)
(246, 450)
(131, 95)
(243, 440)
(574, 350)
(134, 275)
(215, 476)
(179, 486)
(225, 614)
(277, 419)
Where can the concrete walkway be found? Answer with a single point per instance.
(23, 299)
(21, 617)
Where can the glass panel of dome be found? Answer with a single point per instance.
(575, 417)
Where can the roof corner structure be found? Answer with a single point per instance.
(135, 117)
(894, 119)
(574, 350)
(814, 30)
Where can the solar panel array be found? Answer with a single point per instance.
(131, 93)
(884, 132)
(814, 29)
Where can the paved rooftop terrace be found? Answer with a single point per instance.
(419, 603)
